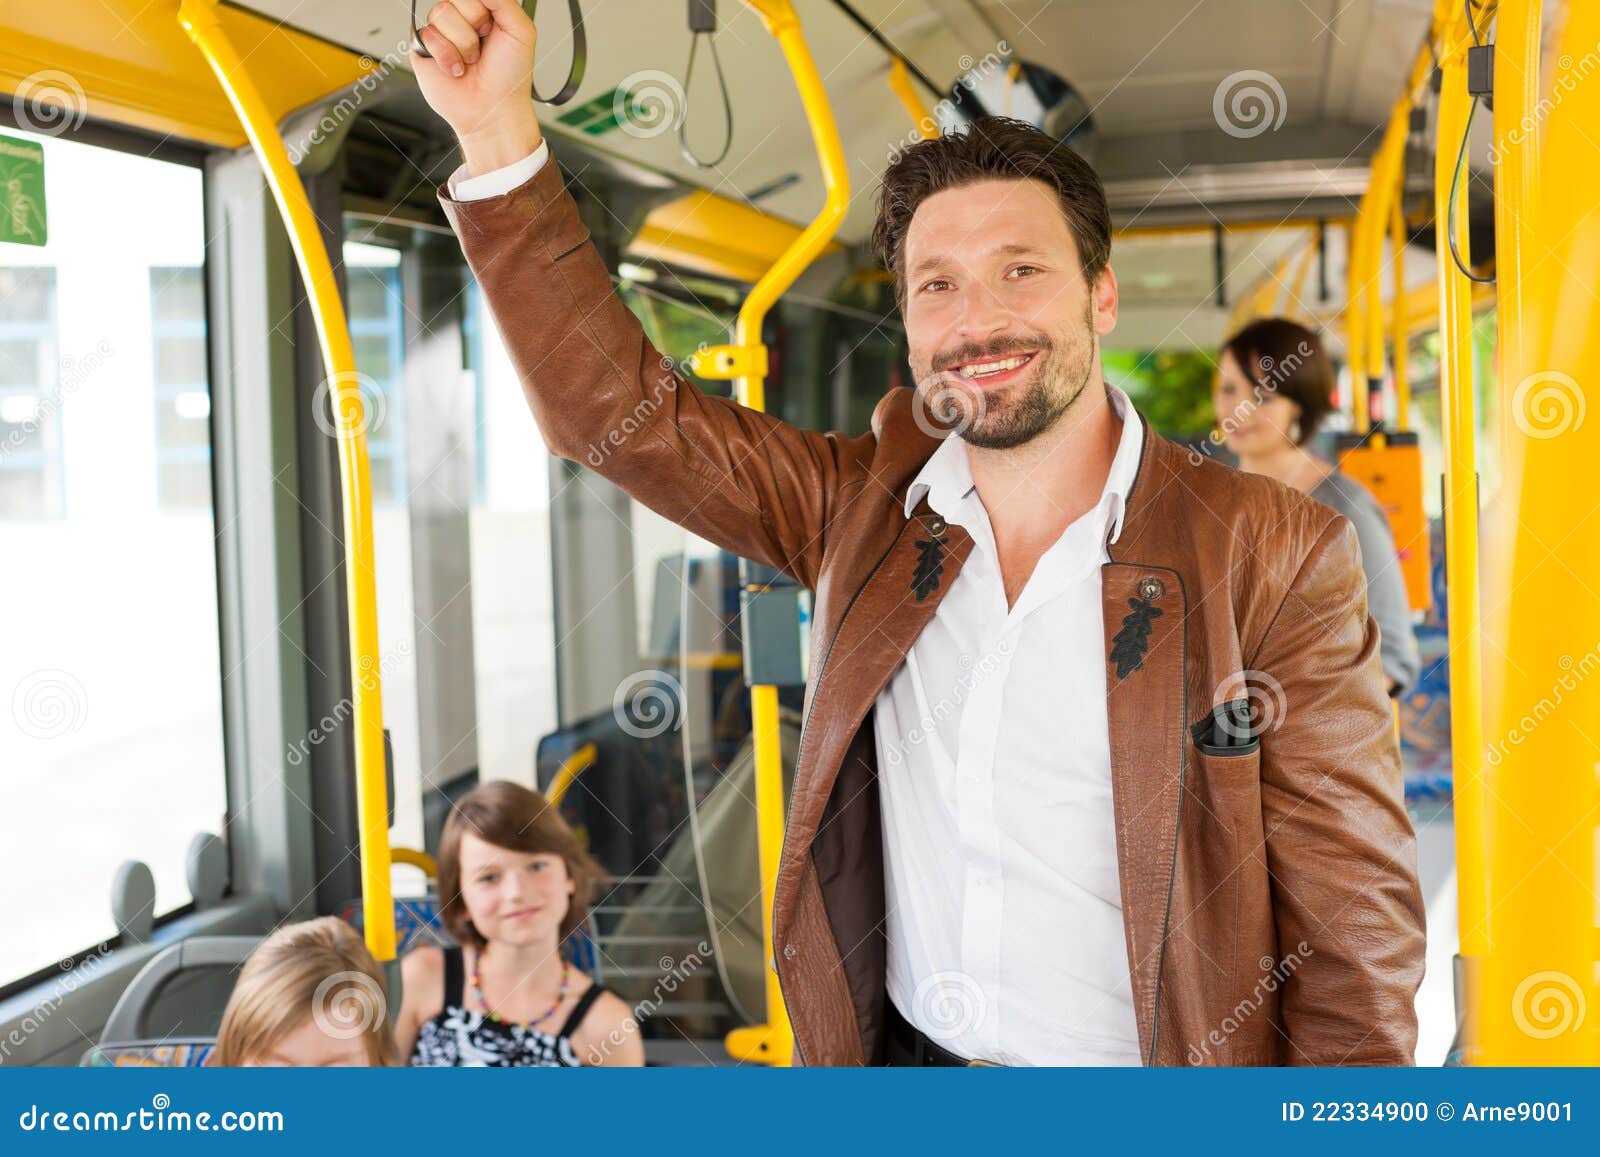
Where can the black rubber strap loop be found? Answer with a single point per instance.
(580, 50)
(727, 104)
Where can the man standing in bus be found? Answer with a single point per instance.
(1098, 766)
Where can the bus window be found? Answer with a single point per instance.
(110, 690)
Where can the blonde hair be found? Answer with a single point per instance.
(318, 969)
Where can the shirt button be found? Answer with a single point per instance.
(788, 951)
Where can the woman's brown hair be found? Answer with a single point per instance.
(319, 969)
(1284, 357)
(512, 817)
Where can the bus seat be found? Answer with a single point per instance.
(149, 1054)
(191, 956)
(417, 923)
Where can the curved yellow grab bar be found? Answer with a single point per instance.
(567, 774)
(415, 859)
(746, 362)
(200, 21)
(900, 84)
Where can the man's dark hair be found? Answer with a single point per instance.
(992, 148)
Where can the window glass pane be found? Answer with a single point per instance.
(110, 675)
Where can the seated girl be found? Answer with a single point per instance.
(310, 996)
(514, 885)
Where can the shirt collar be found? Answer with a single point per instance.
(946, 477)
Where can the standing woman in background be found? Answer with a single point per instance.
(1274, 389)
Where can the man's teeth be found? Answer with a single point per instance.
(984, 369)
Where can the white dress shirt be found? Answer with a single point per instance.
(1004, 924)
(1005, 934)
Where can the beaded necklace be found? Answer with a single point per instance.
(477, 994)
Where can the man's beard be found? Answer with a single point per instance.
(1061, 376)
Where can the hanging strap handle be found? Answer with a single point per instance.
(703, 22)
(580, 50)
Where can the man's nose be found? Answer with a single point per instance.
(982, 314)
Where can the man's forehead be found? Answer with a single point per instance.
(986, 219)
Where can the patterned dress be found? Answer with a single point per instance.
(460, 1037)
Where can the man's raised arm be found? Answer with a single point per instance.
(601, 394)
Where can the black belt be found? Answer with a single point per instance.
(908, 1046)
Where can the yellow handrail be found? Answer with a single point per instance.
(1400, 335)
(1516, 177)
(1539, 1001)
(1461, 514)
(200, 20)
(900, 84)
(415, 859)
(746, 362)
(567, 774)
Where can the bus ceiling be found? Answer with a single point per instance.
(1296, 137)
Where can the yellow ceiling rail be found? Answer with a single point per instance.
(415, 859)
(900, 84)
(1539, 1003)
(745, 361)
(201, 20)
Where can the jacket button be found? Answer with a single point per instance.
(788, 951)
(936, 525)
(1150, 588)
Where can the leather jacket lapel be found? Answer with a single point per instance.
(1145, 607)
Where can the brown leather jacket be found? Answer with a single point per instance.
(1270, 898)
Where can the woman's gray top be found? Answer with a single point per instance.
(1386, 587)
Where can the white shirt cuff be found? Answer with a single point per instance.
(498, 182)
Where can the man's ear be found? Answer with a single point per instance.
(1104, 298)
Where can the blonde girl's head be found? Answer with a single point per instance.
(310, 996)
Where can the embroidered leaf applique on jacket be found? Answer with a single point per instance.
(1128, 648)
(930, 565)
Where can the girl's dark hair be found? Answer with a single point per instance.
(510, 816)
(990, 148)
(1284, 357)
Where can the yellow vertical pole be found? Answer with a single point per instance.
(746, 362)
(1400, 336)
(1461, 516)
(1355, 321)
(1516, 172)
(1539, 1002)
(200, 20)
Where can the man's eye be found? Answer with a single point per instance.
(1023, 270)
(935, 285)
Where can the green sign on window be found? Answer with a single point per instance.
(22, 219)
